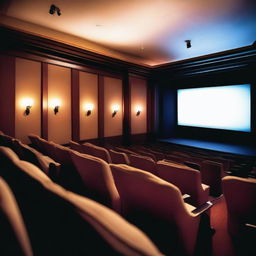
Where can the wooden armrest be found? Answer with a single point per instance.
(202, 208)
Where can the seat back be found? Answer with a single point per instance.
(63, 223)
(119, 157)
(45, 163)
(97, 179)
(13, 234)
(211, 173)
(101, 153)
(122, 237)
(76, 146)
(87, 148)
(143, 162)
(188, 180)
(152, 203)
(34, 139)
(240, 195)
(6, 140)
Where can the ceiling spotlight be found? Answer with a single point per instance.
(188, 43)
(54, 9)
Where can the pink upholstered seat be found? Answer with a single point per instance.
(87, 148)
(45, 163)
(144, 152)
(240, 195)
(188, 180)
(145, 195)
(10, 209)
(119, 157)
(123, 237)
(102, 153)
(143, 162)
(211, 173)
(97, 179)
(76, 146)
(84, 227)
(125, 150)
(34, 140)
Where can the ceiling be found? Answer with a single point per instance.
(150, 32)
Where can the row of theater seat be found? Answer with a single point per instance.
(210, 173)
(39, 217)
(138, 199)
(99, 185)
(233, 164)
(188, 180)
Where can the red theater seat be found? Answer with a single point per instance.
(143, 162)
(119, 157)
(97, 179)
(157, 207)
(13, 234)
(240, 195)
(188, 180)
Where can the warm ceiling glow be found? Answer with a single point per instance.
(27, 102)
(54, 103)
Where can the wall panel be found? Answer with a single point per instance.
(113, 126)
(138, 91)
(28, 88)
(88, 91)
(7, 94)
(59, 88)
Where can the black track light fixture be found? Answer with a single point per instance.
(54, 9)
(188, 43)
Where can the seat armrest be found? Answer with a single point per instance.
(249, 225)
(185, 196)
(202, 208)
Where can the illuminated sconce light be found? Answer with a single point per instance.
(115, 109)
(55, 104)
(88, 108)
(27, 103)
(138, 110)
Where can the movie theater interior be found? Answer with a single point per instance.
(127, 128)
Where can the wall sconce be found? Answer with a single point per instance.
(115, 109)
(55, 104)
(88, 108)
(56, 109)
(27, 104)
(138, 110)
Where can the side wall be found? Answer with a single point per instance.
(73, 88)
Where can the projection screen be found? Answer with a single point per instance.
(218, 107)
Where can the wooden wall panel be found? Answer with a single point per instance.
(138, 92)
(7, 94)
(113, 126)
(28, 87)
(59, 88)
(88, 90)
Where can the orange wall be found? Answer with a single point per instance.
(113, 126)
(138, 98)
(59, 87)
(28, 85)
(88, 91)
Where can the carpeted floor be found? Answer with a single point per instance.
(222, 244)
(221, 241)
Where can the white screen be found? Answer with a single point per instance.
(220, 107)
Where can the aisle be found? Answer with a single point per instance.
(221, 243)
